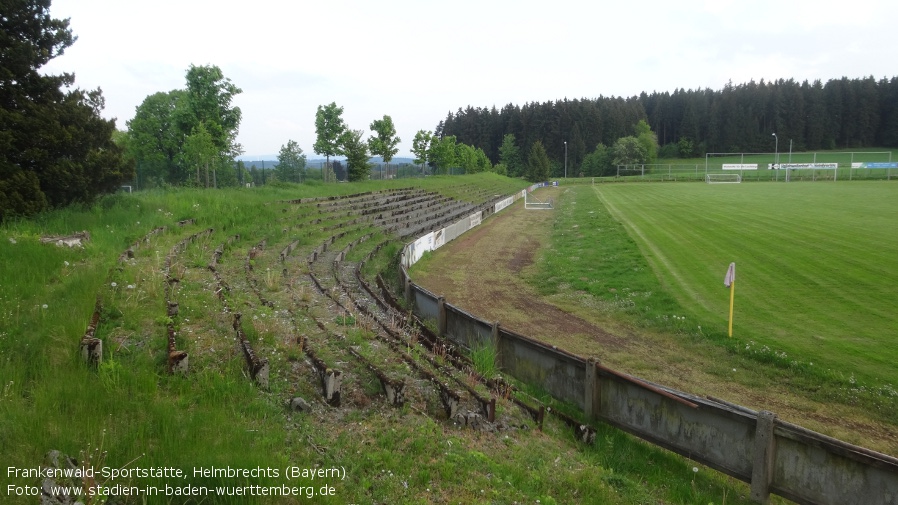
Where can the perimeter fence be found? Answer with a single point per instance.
(772, 455)
(824, 166)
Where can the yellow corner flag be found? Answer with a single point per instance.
(730, 282)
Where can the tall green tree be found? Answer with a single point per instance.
(155, 141)
(537, 163)
(385, 142)
(201, 152)
(628, 151)
(443, 154)
(329, 131)
(421, 146)
(510, 156)
(164, 121)
(209, 99)
(356, 151)
(55, 148)
(597, 163)
(291, 163)
(648, 140)
(482, 161)
(466, 158)
(210, 96)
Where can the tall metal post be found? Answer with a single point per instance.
(565, 159)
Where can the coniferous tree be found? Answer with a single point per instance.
(537, 163)
(55, 148)
(738, 118)
(356, 151)
(291, 163)
(510, 156)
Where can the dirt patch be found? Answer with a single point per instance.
(484, 273)
(522, 258)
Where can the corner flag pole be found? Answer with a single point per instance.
(730, 282)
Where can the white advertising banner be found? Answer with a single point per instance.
(439, 238)
(419, 247)
(476, 219)
(740, 166)
(504, 203)
(800, 166)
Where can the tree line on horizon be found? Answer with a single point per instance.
(56, 149)
(843, 113)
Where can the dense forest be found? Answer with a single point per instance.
(843, 113)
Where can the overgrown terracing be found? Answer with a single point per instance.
(301, 357)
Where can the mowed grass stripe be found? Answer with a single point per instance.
(816, 263)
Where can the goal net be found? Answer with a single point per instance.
(723, 178)
(531, 202)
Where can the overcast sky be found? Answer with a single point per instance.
(417, 60)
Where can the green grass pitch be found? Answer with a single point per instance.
(817, 264)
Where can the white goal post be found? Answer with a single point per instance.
(531, 202)
(723, 178)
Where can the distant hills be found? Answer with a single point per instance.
(271, 160)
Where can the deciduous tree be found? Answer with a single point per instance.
(421, 146)
(443, 153)
(597, 163)
(329, 130)
(209, 100)
(200, 151)
(155, 141)
(165, 120)
(385, 141)
(648, 140)
(628, 151)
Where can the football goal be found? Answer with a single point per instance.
(723, 178)
(531, 202)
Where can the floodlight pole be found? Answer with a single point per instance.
(565, 159)
(776, 149)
